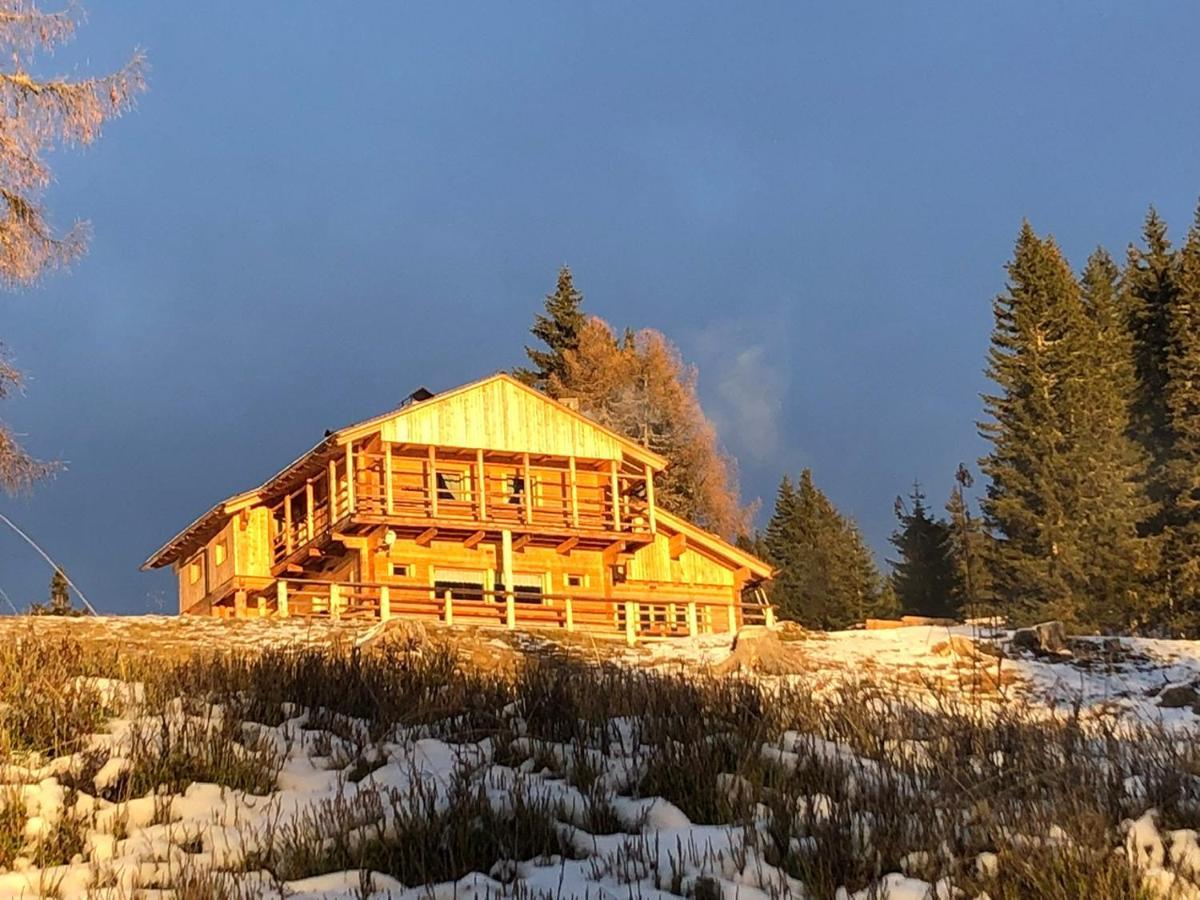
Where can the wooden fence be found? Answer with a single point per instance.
(632, 619)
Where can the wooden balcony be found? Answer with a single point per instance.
(429, 487)
(632, 619)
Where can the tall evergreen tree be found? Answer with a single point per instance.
(968, 550)
(826, 577)
(923, 577)
(1037, 558)
(1180, 462)
(558, 329)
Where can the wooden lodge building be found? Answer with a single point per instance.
(487, 504)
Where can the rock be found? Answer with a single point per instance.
(1178, 696)
(1049, 638)
(968, 648)
(788, 630)
(926, 620)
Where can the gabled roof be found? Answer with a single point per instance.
(715, 545)
(202, 529)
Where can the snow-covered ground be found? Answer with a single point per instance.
(339, 785)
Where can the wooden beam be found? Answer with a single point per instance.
(612, 551)
(520, 542)
(353, 541)
(615, 488)
(650, 498)
(314, 552)
(676, 545)
(287, 523)
(350, 476)
(567, 546)
(574, 478)
(480, 486)
(388, 489)
(431, 481)
(425, 538)
(506, 561)
(309, 503)
(332, 491)
(294, 569)
(473, 540)
(527, 480)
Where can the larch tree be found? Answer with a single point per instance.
(40, 115)
(923, 575)
(639, 386)
(558, 330)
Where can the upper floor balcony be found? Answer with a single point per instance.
(429, 486)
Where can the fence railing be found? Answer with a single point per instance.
(294, 597)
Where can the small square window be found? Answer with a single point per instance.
(576, 581)
(401, 570)
(195, 570)
(220, 551)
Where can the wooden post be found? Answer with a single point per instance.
(389, 498)
(262, 607)
(480, 485)
(281, 599)
(350, 477)
(385, 602)
(287, 524)
(448, 607)
(769, 616)
(239, 604)
(574, 476)
(693, 625)
(630, 622)
(650, 499)
(615, 487)
(431, 482)
(528, 492)
(332, 492)
(569, 612)
(308, 503)
(732, 612)
(335, 600)
(506, 557)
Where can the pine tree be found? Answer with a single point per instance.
(1037, 559)
(1180, 461)
(968, 551)
(558, 330)
(923, 577)
(826, 577)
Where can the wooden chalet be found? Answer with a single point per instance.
(487, 504)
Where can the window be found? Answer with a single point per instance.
(527, 587)
(195, 569)
(220, 551)
(463, 584)
(516, 489)
(575, 580)
(452, 485)
(401, 570)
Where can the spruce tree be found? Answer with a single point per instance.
(923, 577)
(59, 602)
(1180, 461)
(1037, 559)
(558, 329)
(968, 551)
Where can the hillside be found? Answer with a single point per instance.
(196, 758)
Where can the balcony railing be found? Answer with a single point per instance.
(662, 616)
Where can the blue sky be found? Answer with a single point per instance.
(311, 213)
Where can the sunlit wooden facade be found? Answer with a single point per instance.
(486, 504)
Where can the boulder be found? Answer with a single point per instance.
(1047, 638)
(1178, 696)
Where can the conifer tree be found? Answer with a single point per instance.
(968, 550)
(59, 602)
(1037, 558)
(826, 577)
(1180, 461)
(558, 329)
(923, 577)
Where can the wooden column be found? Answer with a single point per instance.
(308, 503)
(692, 625)
(333, 491)
(239, 604)
(630, 622)
(335, 601)
(569, 613)
(388, 495)
(287, 524)
(650, 499)
(350, 476)
(732, 612)
(574, 476)
(769, 616)
(528, 492)
(431, 482)
(385, 602)
(480, 485)
(506, 560)
(281, 599)
(448, 607)
(615, 487)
